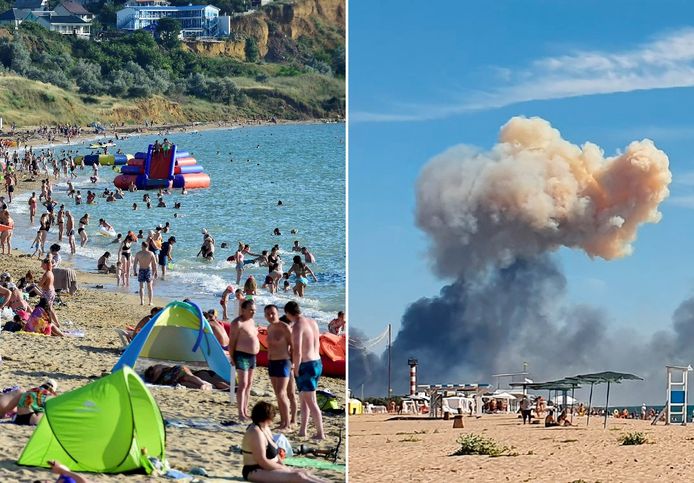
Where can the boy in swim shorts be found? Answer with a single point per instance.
(244, 345)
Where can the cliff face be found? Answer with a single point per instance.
(276, 26)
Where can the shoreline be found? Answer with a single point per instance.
(73, 362)
(142, 130)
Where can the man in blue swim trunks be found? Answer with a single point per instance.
(307, 366)
(279, 340)
(243, 347)
(147, 264)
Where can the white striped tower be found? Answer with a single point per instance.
(413, 376)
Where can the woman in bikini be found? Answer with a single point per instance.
(260, 453)
(124, 257)
(6, 235)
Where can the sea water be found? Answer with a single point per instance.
(251, 169)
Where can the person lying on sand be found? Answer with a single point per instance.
(163, 375)
(31, 403)
(261, 460)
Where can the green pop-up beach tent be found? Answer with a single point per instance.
(102, 427)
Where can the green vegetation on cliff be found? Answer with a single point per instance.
(301, 79)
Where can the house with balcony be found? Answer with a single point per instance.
(65, 24)
(196, 20)
(68, 18)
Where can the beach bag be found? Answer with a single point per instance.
(282, 442)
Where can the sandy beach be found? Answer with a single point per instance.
(75, 361)
(420, 450)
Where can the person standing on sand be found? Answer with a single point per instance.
(124, 257)
(48, 289)
(6, 236)
(10, 182)
(243, 347)
(147, 262)
(61, 222)
(307, 366)
(70, 231)
(279, 339)
(32, 207)
(525, 409)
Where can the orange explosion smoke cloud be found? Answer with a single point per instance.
(534, 192)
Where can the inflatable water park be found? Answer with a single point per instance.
(104, 159)
(163, 167)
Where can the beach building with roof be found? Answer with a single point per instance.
(70, 7)
(13, 17)
(196, 20)
(65, 24)
(31, 5)
(68, 18)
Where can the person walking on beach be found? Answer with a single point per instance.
(279, 340)
(243, 347)
(525, 409)
(307, 366)
(32, 207)
(147, 263)
(70, 231)
(166, 255)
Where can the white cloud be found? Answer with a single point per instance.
(681, 201)
(666, 62)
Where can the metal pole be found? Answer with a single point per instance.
(573, 388)
(590, 401)
(607, 402)
(362, 392)
(389, 389)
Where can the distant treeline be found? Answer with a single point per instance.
(140, 64)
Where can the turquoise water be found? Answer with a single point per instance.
(302, 165)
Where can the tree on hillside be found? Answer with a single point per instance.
(252, 52)
(168, 30)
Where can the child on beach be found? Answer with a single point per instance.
(37, 243)
(250, 288)
(223, 301)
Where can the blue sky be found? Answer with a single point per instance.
(423, 80)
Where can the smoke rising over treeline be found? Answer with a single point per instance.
(494, 217)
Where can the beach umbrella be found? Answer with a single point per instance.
(608, 377)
